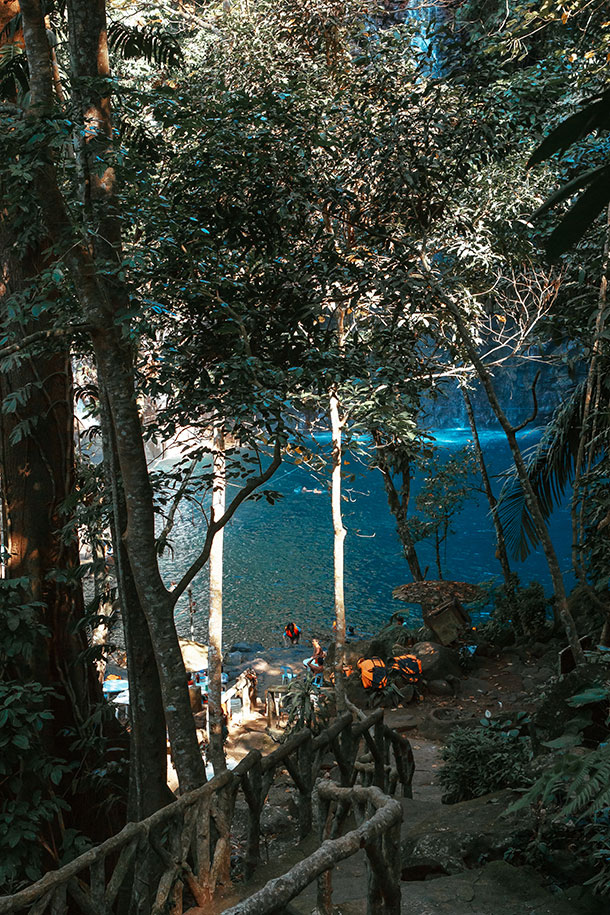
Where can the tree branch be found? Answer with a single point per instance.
(40, 336)
(214, 526)
(162, 538)
(534, 413)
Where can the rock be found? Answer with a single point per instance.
(407, 692)
(353, 652)
(440, 722)
(437, 661)
(472, 685)
(274, 820)
(247, 647)
(383, 645)
(496, 889)
(440, 688)
(233, 659)
(537, 649)
(400, 720)
(456, 837)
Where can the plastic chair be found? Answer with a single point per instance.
(317, 681)
(287, 675)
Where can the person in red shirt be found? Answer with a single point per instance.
(292, 634)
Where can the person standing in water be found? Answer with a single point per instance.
(292, 634)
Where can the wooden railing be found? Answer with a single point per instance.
(378, 834)
(187, 845)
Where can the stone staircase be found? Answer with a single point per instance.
(496, 888)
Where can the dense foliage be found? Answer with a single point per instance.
(307, 195)
(480, 760)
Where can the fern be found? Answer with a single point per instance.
(589, 790)
(150, 43)
(579, 784)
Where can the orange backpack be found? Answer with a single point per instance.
(373, 672)
(408, 666)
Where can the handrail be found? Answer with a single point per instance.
(181, 833)
(281, 890)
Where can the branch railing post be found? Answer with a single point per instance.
(305, 764)
(379, 756)
(324, 894)
(189, 841)
(252, 785)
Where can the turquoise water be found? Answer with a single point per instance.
(279, 564)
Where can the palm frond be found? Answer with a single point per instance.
(14, 74)
(550, 467)
(150, 43)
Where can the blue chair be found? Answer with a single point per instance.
(287, 675)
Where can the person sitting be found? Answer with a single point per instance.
(316, 663)
(292, 634)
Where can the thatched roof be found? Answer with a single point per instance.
(435, 592)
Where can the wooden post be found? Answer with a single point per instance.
(305, 765)
(253, 790)
(59, 903)
(324, 901)
(378, 737)
(202, 843)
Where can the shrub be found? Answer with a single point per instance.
(307, 707)
(517, 613)
(484, 759)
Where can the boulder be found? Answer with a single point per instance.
(440, 688)
(456, 837)
(473, 685)
(497, 888)
(400, 719)
(233, 659)
(353, 652)
(274, 820)
(383, 645)
(407, 693)
(437, 661)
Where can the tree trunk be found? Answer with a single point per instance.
(217, 755)
(501, 553)
(38, 477)
(101, 297)
(148, 790)
(529, 493)
(339, 538)
(398, 503)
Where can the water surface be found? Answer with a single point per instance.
(279, 563)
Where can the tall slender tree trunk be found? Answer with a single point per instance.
(338, 553)
(217, 754)
(148, 790)
(101, 300)
(531, 498)
(501, 552)
(94, 257)
(398, 502)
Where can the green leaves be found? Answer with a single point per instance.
(150, 43)
(593, 115)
